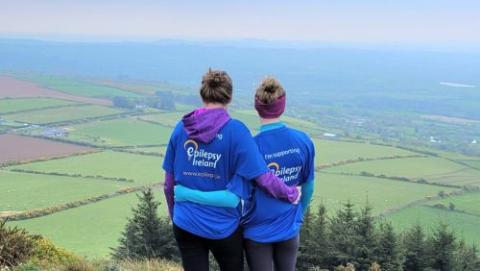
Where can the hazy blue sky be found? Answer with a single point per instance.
(410, 21)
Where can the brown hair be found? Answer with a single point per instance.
(269, 90)
(216, 87)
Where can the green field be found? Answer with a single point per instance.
(469, 203)
(15, 105)
(120, 132)
(63, 114)
(158, 150)
(465, 225)
(252, 120)
(79, 88)
(141, 168)
(430, 168)
(168, 119)
(92, 229)
(22, 191)
(10, 124)
(89, 230)
(472, 163)
(328, 151)
(335, 190)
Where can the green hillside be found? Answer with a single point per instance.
(406, 184)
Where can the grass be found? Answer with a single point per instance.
(473, 163)
(120, 132)
(160, 150)
(14, 105)
(251, 119)
(469, 203)
(335, 190)
(328, 151)
(89, 230)
(464, 225)
(168, 119)
(141, 168)
(79, 88)
(22, 191)
(63, 114)
(430, 168)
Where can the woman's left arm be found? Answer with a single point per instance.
(220, 198)
(307, 193)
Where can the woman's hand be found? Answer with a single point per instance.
(299, 189)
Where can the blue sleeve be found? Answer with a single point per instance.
(307, 193)
(248, 162)
(309, 172)
(221, 198)
(168, 160)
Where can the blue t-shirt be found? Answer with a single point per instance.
(224, 163)
(289, 154)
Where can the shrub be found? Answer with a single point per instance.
(16, 246)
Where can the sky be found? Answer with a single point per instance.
(362, 21)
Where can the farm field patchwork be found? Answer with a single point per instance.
(465, 225)
(429, 168)
(335, 190)
(156, 150)
(14, 88)
(22, 104)
(168, 119)
(22, 148)
(23, 191)
(79, 88)
(142, 169)
(252, 120)
(89, 230)
(120, 132)
(473, 163)
(329, 151)
(469, 202)
(63, 114)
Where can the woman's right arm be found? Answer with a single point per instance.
(168, 166)
(168, 190)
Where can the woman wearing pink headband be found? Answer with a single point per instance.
(271, 227)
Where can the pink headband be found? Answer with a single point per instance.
(272, 110)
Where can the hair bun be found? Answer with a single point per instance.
(214, 78)
(270, 85)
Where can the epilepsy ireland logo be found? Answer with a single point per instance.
(200, 157)
(285, 173)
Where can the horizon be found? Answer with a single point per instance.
(429, 22)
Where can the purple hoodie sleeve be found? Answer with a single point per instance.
(277, 188)
(168, 189)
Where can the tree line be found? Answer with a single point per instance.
(350, 239)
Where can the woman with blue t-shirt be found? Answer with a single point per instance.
(210, 152)
(272, 226)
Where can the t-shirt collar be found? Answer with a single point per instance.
(271, 126)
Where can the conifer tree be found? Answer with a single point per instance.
(366, 239)
(146, 235)
(415, 249)
(466, 257)
(314, 240)
(342, 235)
(389, 250)
(442, 248)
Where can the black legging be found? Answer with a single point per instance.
(194, 250)
(266, 256)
